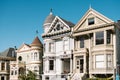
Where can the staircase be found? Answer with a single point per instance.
(77, 76)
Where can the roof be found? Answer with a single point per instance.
(49, 18)
(70, 24)
(8, 53)
(36, 42)
(118, 24)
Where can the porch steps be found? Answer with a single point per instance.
(77, 76)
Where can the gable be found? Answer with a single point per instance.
(92, 18)
(24, 47)
(58, 25)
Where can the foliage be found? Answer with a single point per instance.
(30, 76)
(99, 79)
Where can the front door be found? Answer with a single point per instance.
(79, 64)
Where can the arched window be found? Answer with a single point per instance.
(20, 58)
(35, 56)
(58, 27)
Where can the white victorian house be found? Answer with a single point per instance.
(58, 48)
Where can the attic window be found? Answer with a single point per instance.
(58, 27)
(91, 21)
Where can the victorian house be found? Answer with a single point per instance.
(5, 58)
(58, 48)
(96, 49)
(29, 57)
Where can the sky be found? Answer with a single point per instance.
(19, 19)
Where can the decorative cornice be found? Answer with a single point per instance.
(95, 27)
(30, 50)
(57, 33)
(7, 58)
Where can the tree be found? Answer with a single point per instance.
(30, 76)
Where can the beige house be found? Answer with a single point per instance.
(97, 42)
(29, 57)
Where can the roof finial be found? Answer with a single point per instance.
(50, 11)
(90, 6)
(37, 32)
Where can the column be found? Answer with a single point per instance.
(71, 65)
(84, 66)
(105, 37)
(94, 39)
(5, 66)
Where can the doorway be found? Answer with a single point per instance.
(80, 64)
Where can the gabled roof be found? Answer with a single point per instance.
(36, 42)
(65, 22)
(95, 13)
(8, 53)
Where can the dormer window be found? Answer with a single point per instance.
(91, 21)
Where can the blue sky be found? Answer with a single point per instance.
(19, 19)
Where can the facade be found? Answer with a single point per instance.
(97, 42)
(58, 48)
(29, 57)
(88, 49)
(5, 58)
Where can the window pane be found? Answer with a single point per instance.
(2, 66)
(90, 21)
(109, 61)
(99, 57)
(99, 64)
(51, 47)
(66, 45)
(108, 37)
(99, 61)
(99, 38)
(81, 42)
(51, 64)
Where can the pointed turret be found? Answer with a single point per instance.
(36, 42)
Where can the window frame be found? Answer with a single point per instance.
(99, 38)
(3, 66)
(51, 65)
(108, 38)
(91, 21)
(51, 47)
(66, 45)
(82, 42)
(102, 61)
